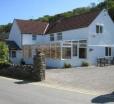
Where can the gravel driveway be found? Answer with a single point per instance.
(99, 79)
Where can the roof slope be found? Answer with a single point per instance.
(111, 13)
(12, 45)
(78, 21)
(31, 27)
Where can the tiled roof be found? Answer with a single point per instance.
(31, 27)
(64, 24)
(78, 21)
(12, 45)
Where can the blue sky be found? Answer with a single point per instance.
(27, 9)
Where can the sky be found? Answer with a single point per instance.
(32, 9)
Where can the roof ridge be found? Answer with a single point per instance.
(31, 20)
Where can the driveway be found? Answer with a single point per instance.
(90, 79)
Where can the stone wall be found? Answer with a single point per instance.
(34, 72)
(17, 71)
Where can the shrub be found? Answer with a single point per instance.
(67, 65)
(4, 54)
(85, 64)
(4, 64)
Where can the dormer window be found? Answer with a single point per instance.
(51, 37)
(34, 37)
(99, 29)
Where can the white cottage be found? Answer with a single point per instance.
(74, 40)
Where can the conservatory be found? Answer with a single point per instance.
(58, 52)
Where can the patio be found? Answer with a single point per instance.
(97, 79)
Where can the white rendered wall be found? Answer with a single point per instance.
(97, 42)
(18, 58)
(15, 34)
(76, 34)
(27, 39)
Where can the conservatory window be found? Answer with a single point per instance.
(66, 52)
(83, 49)
(74, 48)
(27, 52)
(82, 53)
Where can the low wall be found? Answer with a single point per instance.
(17, 71)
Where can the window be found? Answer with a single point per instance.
(99, 29)
(27, 52)
(83, 49)
(13, 54)
(66, 52)
(108, 51)
(34, 37)
(83, 53)
(74, 47)
(59, 36)
(51, 37)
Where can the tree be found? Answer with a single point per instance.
(3, 52)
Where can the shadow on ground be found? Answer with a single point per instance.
(24, 82)
(108, 98)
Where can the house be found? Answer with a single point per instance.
(73, 40)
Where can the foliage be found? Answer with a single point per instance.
(84, 63)
(67, 65)
(77, 11)
(3, 52)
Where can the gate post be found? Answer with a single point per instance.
(39, 66)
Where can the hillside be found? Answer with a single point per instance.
(5, 29)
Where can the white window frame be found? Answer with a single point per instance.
(12, 54)
(108, 51)
(59, 36)
(100, 28)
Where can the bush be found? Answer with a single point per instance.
(4, 64)
(85, 64)
(67, 65)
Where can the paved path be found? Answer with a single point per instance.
(20, 92)
(90, 79)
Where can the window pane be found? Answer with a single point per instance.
(97, 28)
(82, 52)
(51, 37)
(83, 43)
(106, 51)
(66, 52)
(58, 52)
(110, 51)
(74, 49)
(34, 37)
(59, 36)
(27, 52)
(13, 54)
(101, 29)
(52, 50)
